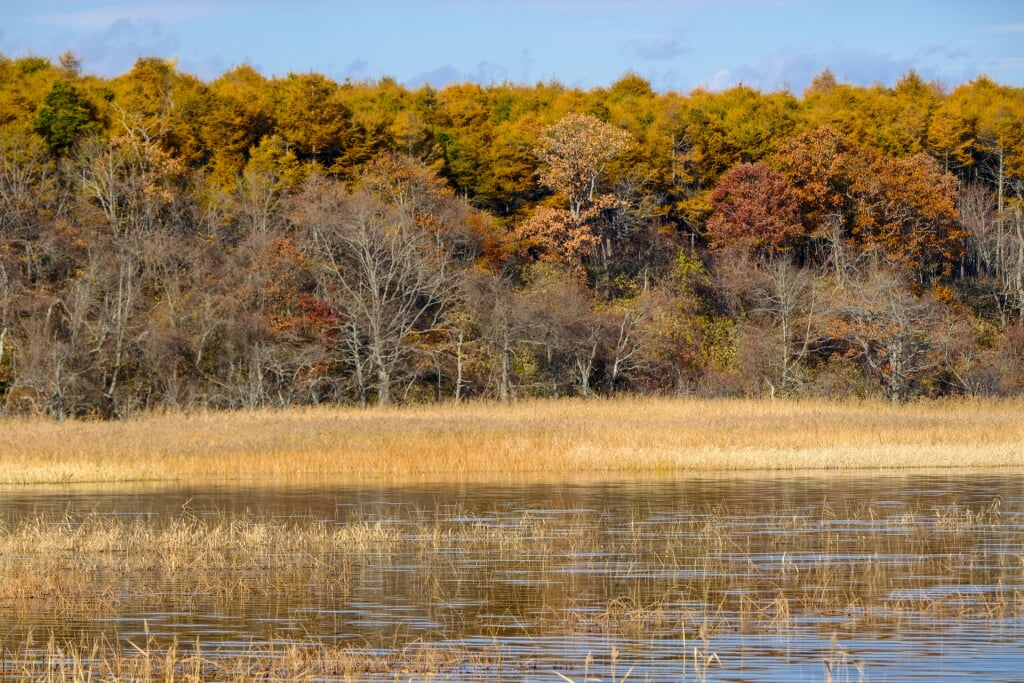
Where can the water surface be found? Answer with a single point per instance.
(758, 578)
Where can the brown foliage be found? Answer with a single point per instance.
(222, 244)
(853, 196)
(755, 209)
(907, 208)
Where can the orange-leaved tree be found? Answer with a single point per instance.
(575, 154)
(907, 210)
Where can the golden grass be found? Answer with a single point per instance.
(717, 580)
(150, 662)
(633, 435)
(97, 564)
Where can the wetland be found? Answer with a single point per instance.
(755, 576)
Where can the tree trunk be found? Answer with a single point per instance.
(458, 367)
(506, 353)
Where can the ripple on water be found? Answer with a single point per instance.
(778, 579)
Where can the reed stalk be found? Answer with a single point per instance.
(529, 438)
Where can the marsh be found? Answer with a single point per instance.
(766, 577)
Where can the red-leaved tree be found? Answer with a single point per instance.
(755, 209)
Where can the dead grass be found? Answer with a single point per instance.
(148, 661)
(712, 576)
(97, 564)
(631, 435)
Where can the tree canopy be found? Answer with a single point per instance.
(169, 242)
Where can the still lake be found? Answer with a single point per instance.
(767, 577)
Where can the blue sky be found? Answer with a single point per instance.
(675, 44)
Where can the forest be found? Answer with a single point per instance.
(173, 244)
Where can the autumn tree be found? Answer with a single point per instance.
(507, 183)
(950, 137)
(170, 242)
(425, 201)
(575, 154)
(817, 165)
(755, 209)
(709, 133)
(907, 208)
(994, 113)
(24, 83)
(842, 107)
(255, 197)
(159, 104)
(130, 180)
(314, 119)
(239, 114)
(854, 200)
(894, 120)
(901, 115)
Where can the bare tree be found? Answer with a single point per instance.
(624, 321)
(493, 309)
(125, 192)
(787, 307)
(888, 328)
(996, 243)
(779, 312)
(388, 279)
(256, 201)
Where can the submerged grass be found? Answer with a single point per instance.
(707, 573)
(707, 569)
(630, 435)
(149, 661)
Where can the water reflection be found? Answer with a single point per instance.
(773, 578)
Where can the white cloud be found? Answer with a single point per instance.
(484, 72)
(1008, 28)
(1010, 63)
(720, 80)
(356, 70)
(102, 17)
(793, 71)
(114, 49)
(437, 78)
(662, 49)
(778, 71)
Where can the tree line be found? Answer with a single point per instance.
(169, 243)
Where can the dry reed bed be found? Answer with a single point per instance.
(705, 574)
(628, 435)
(705, 570)
(149, 661)
(152, 662)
